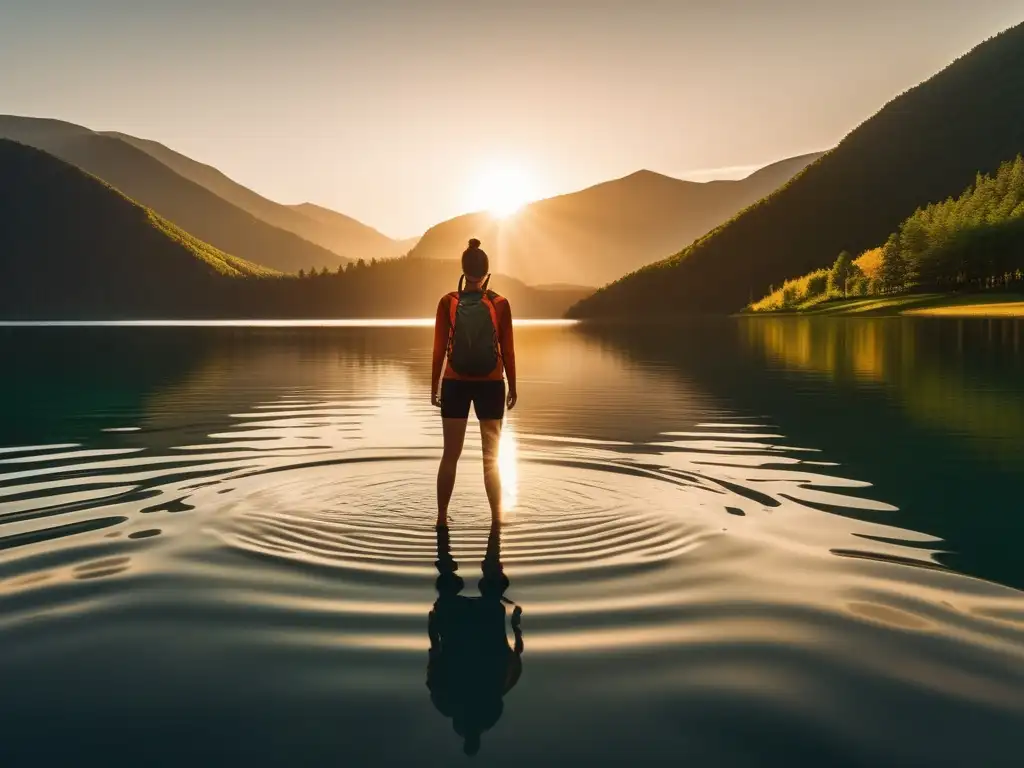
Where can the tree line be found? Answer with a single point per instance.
(975, 241)
(346, 268)
(972, 242)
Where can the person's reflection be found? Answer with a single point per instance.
(471, 666)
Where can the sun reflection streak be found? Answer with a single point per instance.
(508, 469)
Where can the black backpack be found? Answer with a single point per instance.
(473, 344)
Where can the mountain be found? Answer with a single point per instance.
(189, 205)
(339, 233)
(70, 244)
(595, 235)
(970, 244)
(365, 241)
(927, 144)
(772, 177)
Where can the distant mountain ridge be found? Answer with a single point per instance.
(381, 249)
(595, 235)
(202, 200)
(190, 206)
(927, 144)
(329, 229)
(74, 247)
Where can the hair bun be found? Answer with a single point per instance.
(474, 243)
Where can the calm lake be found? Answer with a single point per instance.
(774, 541)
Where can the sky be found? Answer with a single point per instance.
(402, 113)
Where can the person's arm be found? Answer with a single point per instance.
(442, 328)
(435, 636)
(517, 629)
(508, 354)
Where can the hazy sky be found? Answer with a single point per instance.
(389, 110)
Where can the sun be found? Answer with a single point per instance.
(502, 190)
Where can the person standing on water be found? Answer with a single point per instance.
(473, 343)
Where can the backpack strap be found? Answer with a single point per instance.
(488, 301)
(453, 307)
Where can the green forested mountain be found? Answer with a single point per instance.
(593, 236)
(925, 145)
(71, 246)
(974, 242)
(341, 234)
(189, 205)
(70, 243)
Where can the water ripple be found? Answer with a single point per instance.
(299, 530)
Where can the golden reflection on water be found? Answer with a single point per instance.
(508, 468)
(840, 349)
(383, 376)
(922, 365)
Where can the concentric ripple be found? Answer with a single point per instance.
(376, 513)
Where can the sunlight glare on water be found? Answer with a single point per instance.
(507, 465)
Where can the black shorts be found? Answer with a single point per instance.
(487, 397)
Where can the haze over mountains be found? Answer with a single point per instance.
(72, 246)
(202, 200)
(562, 242)
(926, 145)
(169, 235)
(339, 233)
(590, 237)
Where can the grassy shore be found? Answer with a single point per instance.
(923, 304)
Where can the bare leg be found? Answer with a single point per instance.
(454, 436)
(490, 437)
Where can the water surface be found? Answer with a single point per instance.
(776, 541)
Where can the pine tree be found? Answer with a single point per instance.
(842, 272)
(893, 272)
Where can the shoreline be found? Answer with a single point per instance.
(257, 322)
(978, 305)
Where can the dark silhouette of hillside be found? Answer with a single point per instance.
(923, 146)
(341, 234)
(70, 243)
(597, 234)
(396, 288)
(189, 205)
